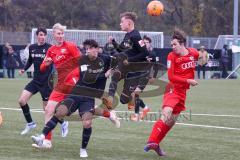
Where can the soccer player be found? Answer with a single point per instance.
(37, 53)
(64, 55)
(181, 68)
(94, 71)
(135, 50)
(153, 68)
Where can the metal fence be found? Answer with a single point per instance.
(23, 38)
(15, 38)
(195, 42)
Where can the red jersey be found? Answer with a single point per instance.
(65, 59)
(181, 68)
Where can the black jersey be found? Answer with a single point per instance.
(92, 73)
(133, 46)
(36, 55)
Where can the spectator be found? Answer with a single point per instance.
(202, 61)
(224, 60)
(12, 63)
(4, 57)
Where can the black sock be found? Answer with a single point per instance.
(137, 105)
(86, 136)
(61, 121)
(26, 113)
(51, 124)
(142, 104)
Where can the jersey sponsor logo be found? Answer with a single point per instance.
(188, 65)
(38, 56)
(95, 70)
(127, 44)
(60, 57)
(141, 43)
(168, 64)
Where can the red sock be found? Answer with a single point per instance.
(106, 114)
(49, 136)
(159, 131)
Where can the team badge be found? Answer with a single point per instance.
(191, 58)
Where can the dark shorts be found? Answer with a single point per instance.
(134, 80)
(35, 87)
(82, 104)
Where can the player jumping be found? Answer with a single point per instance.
(181, 68)
(135, 50)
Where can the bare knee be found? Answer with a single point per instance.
(61, 111)
(49, 111)
(87, 123)
(22, 101)
(24, 97)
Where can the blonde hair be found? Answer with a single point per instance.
(59, 26)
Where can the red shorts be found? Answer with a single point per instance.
(57, 96)
(175, 101)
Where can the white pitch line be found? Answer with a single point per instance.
(18, 109)
(194, 114)
(207, 126)
(183, 124)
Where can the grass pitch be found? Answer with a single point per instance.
(211, 132)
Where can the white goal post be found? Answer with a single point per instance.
(101, 36)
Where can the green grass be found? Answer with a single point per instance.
(218, 97)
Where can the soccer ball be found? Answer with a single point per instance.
(1, 119)
(155, 8)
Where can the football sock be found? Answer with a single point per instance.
(142, 104)
(26, 113)
(137, 105)
(86, 136)
(159, 131)
(49, 136)
(51, 124)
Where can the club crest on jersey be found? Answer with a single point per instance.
(191, 58)
(100, 64)
(63, 50)
(44, 50)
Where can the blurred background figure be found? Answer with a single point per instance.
(202, 62)
(11, 63)
(4, 58)
(225, 60)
